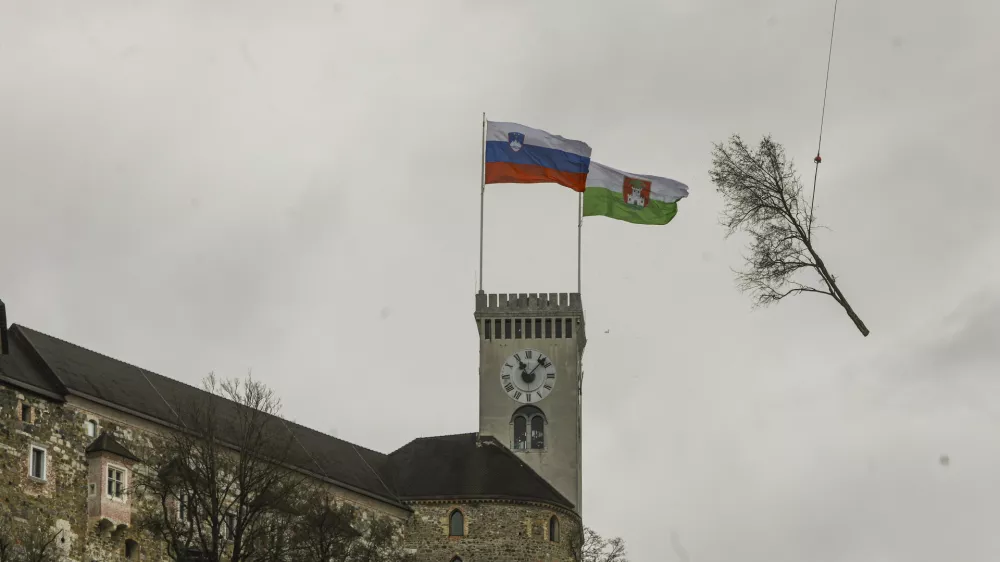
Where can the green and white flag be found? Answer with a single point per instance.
(635, 198)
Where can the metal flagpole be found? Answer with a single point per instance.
(482, 199)
(579, 246)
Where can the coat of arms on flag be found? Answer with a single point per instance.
(635, 191)
(516, 141)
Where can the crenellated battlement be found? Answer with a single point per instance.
(538, 303)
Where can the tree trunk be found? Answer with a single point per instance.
(840, 298)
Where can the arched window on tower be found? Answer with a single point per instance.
(529, 429)
(554, 529)
(520, 433)
(456, 524)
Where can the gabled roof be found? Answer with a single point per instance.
(139, 392)
(105, 443)
(447, 467)
(462, 467)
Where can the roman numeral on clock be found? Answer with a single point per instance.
(509, 387)
(528, 397)
(506, 377)
(518, 357)
(550, 376)
(527, 354)
(547, 387)
(517, 395)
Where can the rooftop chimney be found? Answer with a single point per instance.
(3, 329)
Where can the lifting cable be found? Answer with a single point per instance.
(822, 118)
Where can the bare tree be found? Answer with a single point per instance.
(763, 197)
(222, 481)
(31, 540)
(328, 530)
(589, 546)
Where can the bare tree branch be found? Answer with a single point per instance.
(763, 198)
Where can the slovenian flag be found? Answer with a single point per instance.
(518, 154)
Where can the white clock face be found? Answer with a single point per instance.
(528, 376)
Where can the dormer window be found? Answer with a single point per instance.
(91, 428)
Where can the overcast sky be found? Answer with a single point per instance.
(293, 188)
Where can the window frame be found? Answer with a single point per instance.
(124, 482)
(451, 523)
(45, 463)
(91, 423)
(553, 526)
(27, 413)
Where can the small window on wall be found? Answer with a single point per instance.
(131, 550)
(26, 413)
(37, 468)
(538, 328)
(517, 328)
(537, 432)
(527, 329)
(488, 328)
(116, 483)
(456, 524)
(91, 428)
(569, 327)
(548, 327)
(558, 327)
(506, 328)
(496, 329)
(554, 529)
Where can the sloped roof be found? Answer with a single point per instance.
(447, 467)
(140, 392)
(462, 467)
(105, 443)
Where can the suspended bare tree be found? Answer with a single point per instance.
(763, 197)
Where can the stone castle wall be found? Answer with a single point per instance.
(494, 532)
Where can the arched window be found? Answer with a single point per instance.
(529, 428)
(456, 524)
(520, 433)
(554, 529)
(131, 550)
(537, 432)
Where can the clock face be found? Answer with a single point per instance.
(528, 376)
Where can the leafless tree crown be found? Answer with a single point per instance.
(763, 198)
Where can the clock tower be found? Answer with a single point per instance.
(531, 379)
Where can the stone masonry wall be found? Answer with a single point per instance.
(494, 532)
(95, 528)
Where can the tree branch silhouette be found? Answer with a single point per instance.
(763, 198)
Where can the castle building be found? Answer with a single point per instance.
(71, 421)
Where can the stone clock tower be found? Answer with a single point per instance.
(530, 381)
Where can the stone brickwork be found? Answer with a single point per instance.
(494, 532)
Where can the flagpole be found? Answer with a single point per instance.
(482, 199)
(579, 246)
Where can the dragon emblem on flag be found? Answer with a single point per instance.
(635, 192)
(516, 141)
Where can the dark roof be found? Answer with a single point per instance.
(462, 467)
(106, 443)
(453, 466)
(147, 394)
